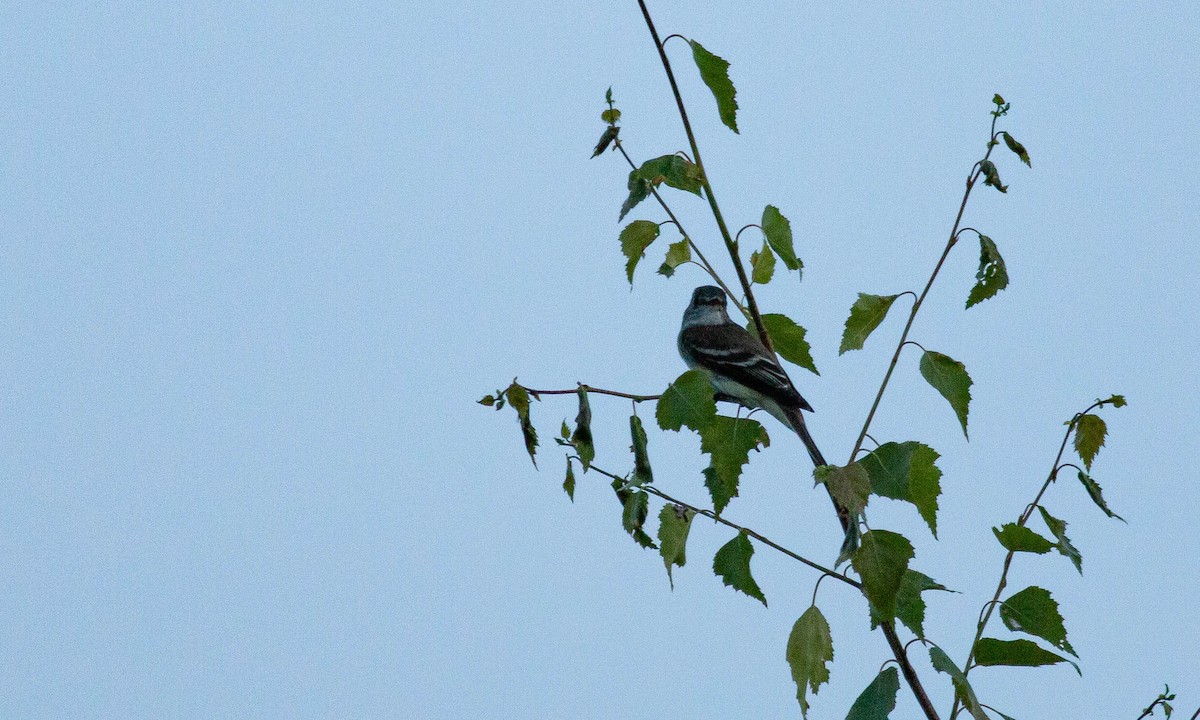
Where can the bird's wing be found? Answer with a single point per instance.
(729, 351)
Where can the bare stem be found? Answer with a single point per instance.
(596, 390)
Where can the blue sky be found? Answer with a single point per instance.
(260, 261)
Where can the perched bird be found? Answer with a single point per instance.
(743, 371)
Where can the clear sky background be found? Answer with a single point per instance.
(258, 260)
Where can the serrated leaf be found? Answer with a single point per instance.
(674, 524)
(762, 265)
(866, 314)
(778, 232)
(878, 700)
(732, 565)
(610, 115)
(636, 507)
(569, 483)
(687, 401)
(642, 473)
(1019, 538)
(809, 652)
(991, 176)
(949, 377)
(715, 73)
(639, 190)
(581, 438)
(881, 560)
(610, 134)
(728, 441)
(635, 238)
(992, 276)
(849, 485)
(518, 398)
(1034, 612)
(907, 471)
(990, 652)
(962, 689)
(677, 254)
(1058, 528)
(672, 170)
(910, 606)
(788, 339)
(1093, 491)
(1090, 431)
(1017, 148)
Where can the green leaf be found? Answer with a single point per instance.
(1089, 437)
(1116, 401)
(990, 652)
(949, 377)
(732, 565)
(992, 276)
(633, 517)
(487, 400)
(729, 441)
(881, 560)
(569, 483)
(1093, 491)
(907, 471)
(635, 238)
(809, 652)
(610, 115)
(879, 699)
(1033, 611)
(581, 439)
(999, 101)
(762, 265)
(673, 170)
(518, 398)
(942, 663)
(1019, 538)
(849, 485)
(1017, 148)
(715, 73)
(677, 254)
(639, 190)
(788, 339)
(910, 606)
(991, 176)
(641, 461)
(610, 134)
(687, 401)
(1058, 529)
(866, 314)
(778, 232)
(674, 523)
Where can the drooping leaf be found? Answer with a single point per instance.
(866, 314)
(1019, 538)
(949, 377)
(635, 238)
(778, 232)
(610, 133)
(677, 254)
(1017, 148)
(991, 176)
(639, 190)
(1089, 437)
(642, 473)
(962, 689)
(732, 565)
(910, 606)
(1058, 528)
(674, 523)
(715, 73)
(1093, 491)
(518, 398)
(992, 276)
(788, 339)
(1021, 653)
(881, 560)
(907, 471)
(569, 483)
(633, 516)
(762, 265)
(1033, 611)
(687, 401)
(673, 171)
(809, 652)
(849, 485)
(581, 438)
(878, 700)
(728, 441)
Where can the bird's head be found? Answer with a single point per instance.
(707, 307)
(708, 296)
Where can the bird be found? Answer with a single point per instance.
(742, 370)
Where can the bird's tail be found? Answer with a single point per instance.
(849, 524)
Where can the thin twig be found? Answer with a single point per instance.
(596, 390)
